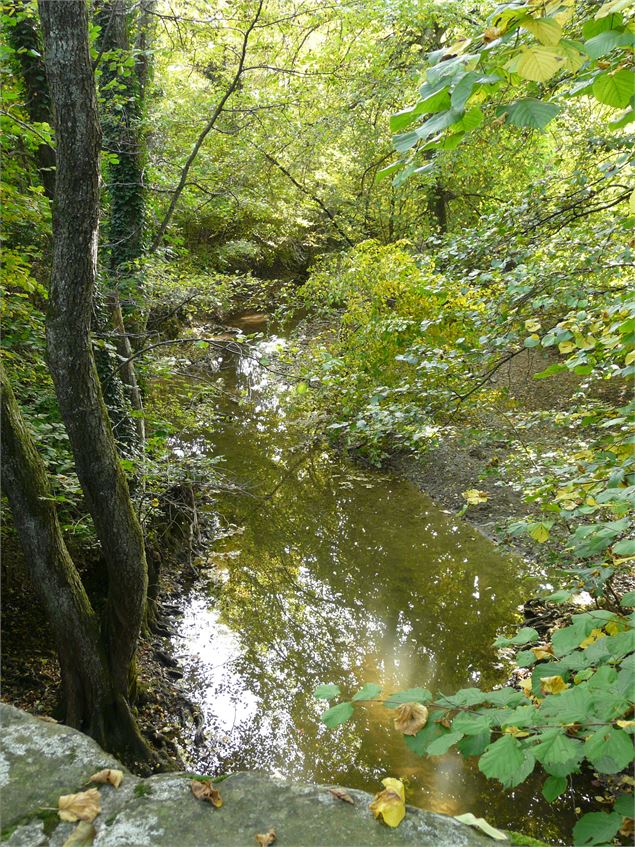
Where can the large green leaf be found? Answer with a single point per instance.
(409, 695)
(572, 706)
(605, 42)
(532, 113)
(547, 30)
(442, 744)
(326, 692)
(609, 750)
(506, 761)
(554, 786)
(615, 89)
(523, 636)
(337, 714)
(557, 753)
(596, 828)
(368, 692)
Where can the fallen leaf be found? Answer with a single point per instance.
(411, 717)
(481, 823)
(473, 496)
(266, 839)
(628, 828)
(108, 775)
(390, 805)
(84, 806)
(553, 684)
(205, 790)
(342, 795)
(83, 835)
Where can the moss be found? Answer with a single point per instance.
(520, 840)
(142, 790)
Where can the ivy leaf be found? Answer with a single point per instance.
(554, 786)
(337, 714)
(368, 692)
(326, 692)
(596, 828)
(506, 761)
(531, 113)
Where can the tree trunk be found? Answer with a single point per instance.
(90, 702)
(75, 231)
(24, 38)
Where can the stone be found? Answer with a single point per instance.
(40, 760)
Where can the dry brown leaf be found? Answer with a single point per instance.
(411, 717)
(205, 790)
(108, 775)
(342, 795)
(628, 828)
(264, 840)
(84, 806)
(83, 835)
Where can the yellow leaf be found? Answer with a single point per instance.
(83, 835)
(516, 732)
(612, 627)
(610, 7)
(566, 346)
(411, 717)
(532, 325)
(526, 686)
(630, 358)
(544, 652)
(625, 724)
(84, 806)
(390, 805)
(108, 775)
(553, 684)
(474, 496)
(538, 64)
(267, 838)
(593, 636)
(547, 30)
(205, 790)
(539, 533)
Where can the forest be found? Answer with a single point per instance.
(318, 353)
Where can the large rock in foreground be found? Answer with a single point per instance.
(40, 760)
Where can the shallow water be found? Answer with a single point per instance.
(327, 572)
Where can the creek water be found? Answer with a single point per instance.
(325, 572)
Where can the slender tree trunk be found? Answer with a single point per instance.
(90, 702)
(75, 231)
(24, 38)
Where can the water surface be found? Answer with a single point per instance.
(325, 572)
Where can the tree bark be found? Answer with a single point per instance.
(75, 231)
(90, 702)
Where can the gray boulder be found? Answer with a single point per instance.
(40, 760)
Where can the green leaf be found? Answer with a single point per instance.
(557, 753)
(368, 692)
(442, 745)
(624, 806)
(535, 114)
(419, 743)
(471, 724)
(596, 828)
(506, 761)
(572, 706)
(410, 695)
(337, 714)
(609, 750)
(614, 89)
(463, 697)
(547, 30)
(605, 42)
(628, 600)
(553, 787)
(538, 64)
(625, 548)
(326, 692)
(523, 636)
(474, 745)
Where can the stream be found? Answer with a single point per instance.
(325, 571)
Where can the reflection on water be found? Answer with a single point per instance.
(336, 574)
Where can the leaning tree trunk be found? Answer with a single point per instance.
(75, 231)
(90, 703)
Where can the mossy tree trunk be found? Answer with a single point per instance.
(75, 232)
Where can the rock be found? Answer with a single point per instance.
(41, 760)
